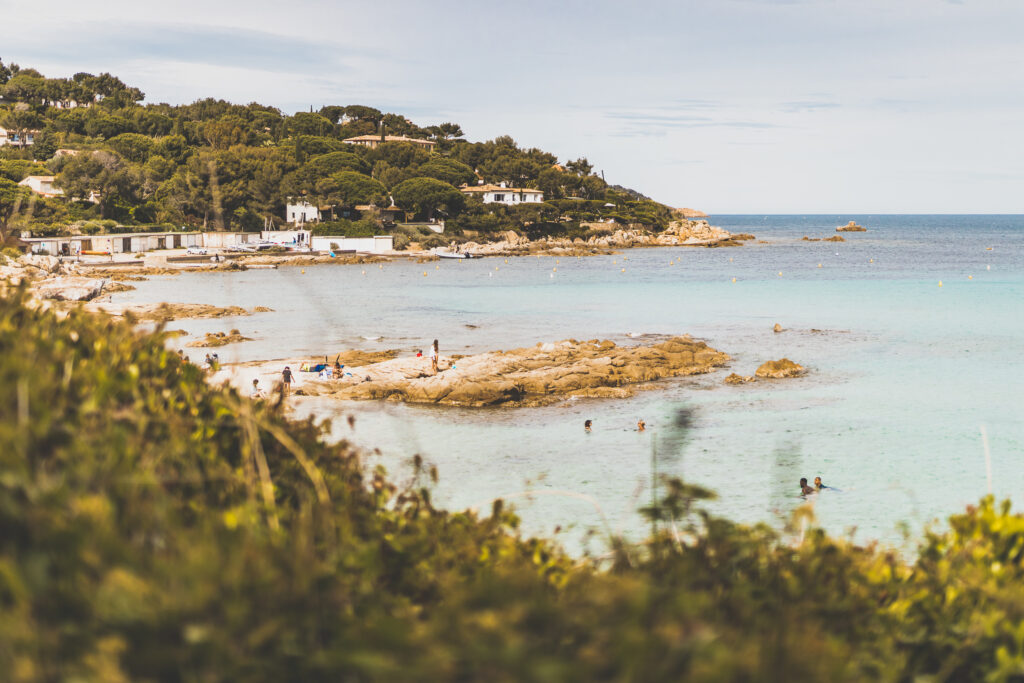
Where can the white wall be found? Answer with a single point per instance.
(378, 244)
(301, 213)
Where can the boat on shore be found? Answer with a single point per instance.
(455, 255)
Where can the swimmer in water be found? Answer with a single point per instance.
(818, 485)
(804, 488)
(587, 424)
(641, 425)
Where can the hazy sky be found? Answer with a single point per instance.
(731, 106)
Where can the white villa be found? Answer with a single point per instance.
(11, 137)
(42, 185)
(372, 141)
(301, 212)
(502, 194)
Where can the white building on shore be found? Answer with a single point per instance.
(16, 139)
(502, 194)
(299, 212)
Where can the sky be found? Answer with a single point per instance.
(729, 106)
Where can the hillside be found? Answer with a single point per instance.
(228, 166)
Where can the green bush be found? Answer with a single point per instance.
(155, 527)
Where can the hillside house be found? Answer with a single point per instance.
(300, 212)
(372, 141)
(42, 185)
(502, 194)
(16, 139)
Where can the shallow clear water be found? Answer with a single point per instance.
(902, 373)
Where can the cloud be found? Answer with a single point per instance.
(798, 106)
(221, 46)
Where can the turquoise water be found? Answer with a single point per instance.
(902, 374)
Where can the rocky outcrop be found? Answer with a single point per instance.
(691, 213)
(609, 237)
(851, 227)
(219, 339)
(69, 288)
(835, 238)
(738, 379)
(777, 328)
(166, 312)
(533, 376)
(779, 369)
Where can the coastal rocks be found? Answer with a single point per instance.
(691, 213)
(743, 237)
(779, 369)
(738, 379)
(165, 312)
(532, 376)
(219, 339)
(835, 238)
(607, 237)
(777, 328)
(358, 358)
(851, 227)
(69, 288)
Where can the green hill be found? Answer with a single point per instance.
(228, 166)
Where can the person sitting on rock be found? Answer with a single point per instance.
(804, 488)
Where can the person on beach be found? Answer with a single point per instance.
(804, 488)
(337, 369)
(641, 425)
(286, 380)
(587, 424)
(433, 357)
(255, 392)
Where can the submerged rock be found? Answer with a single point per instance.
(738, 379)
(779, 369)
(531, 376)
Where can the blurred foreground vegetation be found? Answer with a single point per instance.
(155, 528)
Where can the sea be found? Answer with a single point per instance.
(911, 407)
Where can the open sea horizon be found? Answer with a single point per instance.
(903, 375)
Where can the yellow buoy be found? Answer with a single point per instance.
(554, 270)
(730, 259)
(940, 283)
(424, 273)
(871, 260)
(780, 273)
(623, 270)
(495, 267)
(734, 279)
(303, 271)
(506, 260)
(364, 272)
(970, 277)
(437, 267)
(819, 265)
(614, 262)
(381, 266)
(557, 262)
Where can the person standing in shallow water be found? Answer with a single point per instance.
(433, 357)
(804, 488)
(587, 425)
(641, 425)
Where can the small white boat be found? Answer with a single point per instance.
(453, 254)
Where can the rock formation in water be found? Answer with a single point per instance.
(532, 376)
(851, 227)
(779, 369)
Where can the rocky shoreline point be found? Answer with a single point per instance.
(533, 376)
(680, 233)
